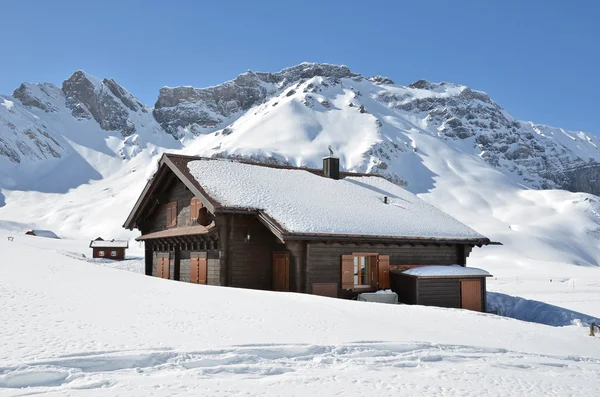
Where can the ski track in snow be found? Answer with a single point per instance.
(388, 368)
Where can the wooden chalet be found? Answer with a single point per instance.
(109, 249)
(323, 232)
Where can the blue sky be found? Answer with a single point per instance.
(538, 59)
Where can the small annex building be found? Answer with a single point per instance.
(445, 286)
(109, 249)
(271, 227)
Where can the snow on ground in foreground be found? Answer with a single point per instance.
(71, 327)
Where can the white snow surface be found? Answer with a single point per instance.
(74, 327)
(450, 270)
(303, 202)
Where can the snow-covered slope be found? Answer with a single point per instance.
(53, 139)
(71, 327)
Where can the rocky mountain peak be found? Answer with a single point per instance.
(105, 101)
(41, 96)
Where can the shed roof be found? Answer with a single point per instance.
(446, 271)
(109, 244)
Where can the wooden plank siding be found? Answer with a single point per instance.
(324, 260)
(442, 292)
(177, 194)
(250, 262)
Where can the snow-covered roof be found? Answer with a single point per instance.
(303, 202)
(446, 271)
(109, 244)
(43, 233)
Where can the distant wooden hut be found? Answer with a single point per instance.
(41, 233)
(109, 249)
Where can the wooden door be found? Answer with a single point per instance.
(198, 267)
(470, 294)
(281, 271)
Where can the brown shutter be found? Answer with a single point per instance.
(167, 267)
(174, 213)
(347, 271)
(194, 270)
(194, 210)
(383, 264)
(163, 266)
(202, 270)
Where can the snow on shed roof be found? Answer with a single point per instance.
(109, 244)
(446, 271)
(304, 202)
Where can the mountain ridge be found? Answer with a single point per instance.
(536, 155)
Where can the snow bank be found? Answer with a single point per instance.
(440, 271)
(304, 202)
(534, 311)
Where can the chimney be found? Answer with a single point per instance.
(331, 167)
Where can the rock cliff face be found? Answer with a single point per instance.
(105, 101)
(186, 109)
(291, 115)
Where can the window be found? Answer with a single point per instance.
(171, 209)
(363, 274)
(100, 253)
(365, 270)
(113, 253)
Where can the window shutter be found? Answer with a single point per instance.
(384, 271)
(347, 271)
(163, 265)
(194, 269)
(194, 207)
(174, 214)
(202, 270)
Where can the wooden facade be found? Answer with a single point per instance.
(117, 253)
(189, 237)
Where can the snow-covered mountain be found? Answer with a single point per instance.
(74, 159)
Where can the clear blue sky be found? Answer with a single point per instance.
(538, 59)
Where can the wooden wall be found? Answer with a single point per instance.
(250, 262)
(405, 287)
(324, 260)
(120, 253)
(179, 193)
(442, 292)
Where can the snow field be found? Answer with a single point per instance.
(72, 327)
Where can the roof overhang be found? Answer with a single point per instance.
(179, 232)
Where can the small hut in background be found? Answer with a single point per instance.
(42, 233)
(109, 249)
